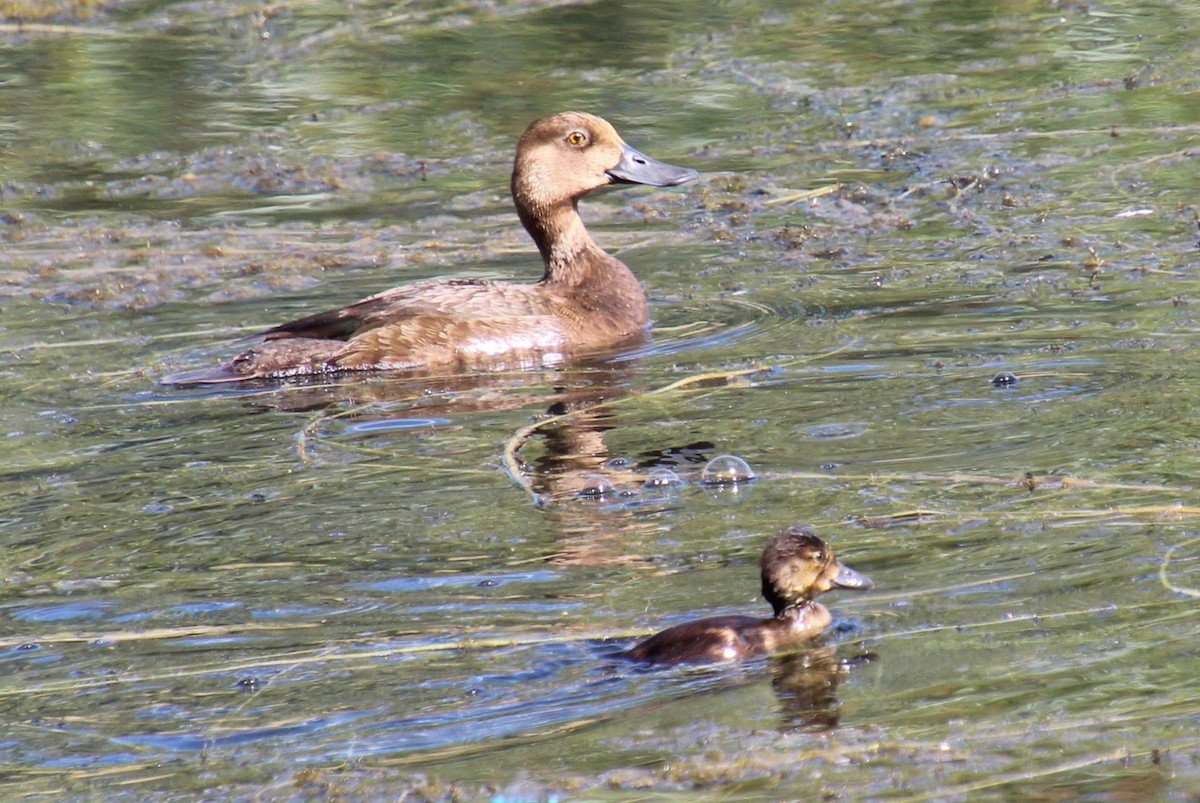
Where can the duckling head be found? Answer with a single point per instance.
(797, 566)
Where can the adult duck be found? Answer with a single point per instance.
(587, 301)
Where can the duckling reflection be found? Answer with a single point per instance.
(796, 567)
(806, 682)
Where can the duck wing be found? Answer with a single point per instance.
(456, 298)
(430, 339)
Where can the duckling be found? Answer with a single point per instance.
(796, 567)
(587, 301)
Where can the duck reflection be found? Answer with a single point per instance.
(428, 394)
(578, 464)
(598, 501)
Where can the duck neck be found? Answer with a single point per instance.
(565, 245)
(809, 617)
(791, 625)
(599, 283)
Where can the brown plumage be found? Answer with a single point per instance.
(796, 567)
(586, 301)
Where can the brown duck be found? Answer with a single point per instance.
(586, 302)
(796, 567)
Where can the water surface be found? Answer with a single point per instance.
(341, 588)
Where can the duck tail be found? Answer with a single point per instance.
(270, 359)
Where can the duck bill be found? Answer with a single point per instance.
(848, 578)
(636, 167)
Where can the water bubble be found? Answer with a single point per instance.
(595, 486)
(661, 479)
(727, 469)
(730, 493)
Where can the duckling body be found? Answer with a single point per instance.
(586, 301)
(796, 567)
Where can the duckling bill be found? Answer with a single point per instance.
(587, 300)
(796, 567)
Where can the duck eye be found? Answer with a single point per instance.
(576, 138)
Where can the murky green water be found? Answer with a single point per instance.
(340, 591)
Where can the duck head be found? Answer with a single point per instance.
(565, 156)
(797, 566)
